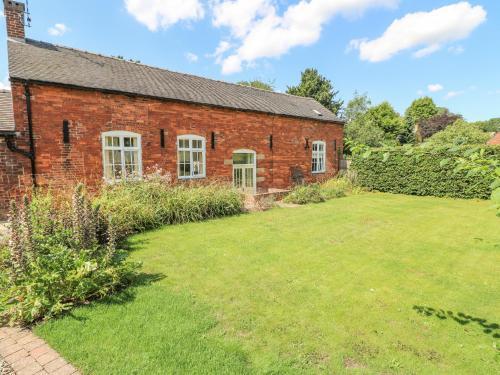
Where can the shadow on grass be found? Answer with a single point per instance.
(122, 296)
(488, 328)
(132, 244)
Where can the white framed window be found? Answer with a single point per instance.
(121, 153)
(191, 156)
(318, 157)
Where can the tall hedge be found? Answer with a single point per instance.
(420, 171)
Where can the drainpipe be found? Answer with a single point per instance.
(27, 94)
(9, 138)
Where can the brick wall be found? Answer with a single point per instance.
(90, 113)
(11, 175)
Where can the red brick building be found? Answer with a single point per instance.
(80, 116)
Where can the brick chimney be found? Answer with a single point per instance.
(14, 18)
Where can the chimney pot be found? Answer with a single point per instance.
(14, 18)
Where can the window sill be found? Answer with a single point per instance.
(119, 180)
(319, 172)
(191, 178)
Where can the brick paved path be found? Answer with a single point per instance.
(22, 353)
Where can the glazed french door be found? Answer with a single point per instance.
(244, 171)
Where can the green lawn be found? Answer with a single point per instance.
(368, 284)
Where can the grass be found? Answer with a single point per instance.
(353, 285)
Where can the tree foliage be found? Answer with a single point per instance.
(357, 128)
(364, 132)
(492, 125)
(386, 118)
(258, 84)
(421, 109)
(314, 85)
(357, 107)
(437, 123)
(460, 133)
(371, 126)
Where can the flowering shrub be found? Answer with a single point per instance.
(59, 255)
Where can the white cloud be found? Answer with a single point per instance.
(453, 94)
(221, 49)
(261, 32)
(240, 15)
(157, 14)
(435, 87)
(191, 57)
(231, 64)
(426, 51)
(2, 14)
(59, 29)
(428, 31)
(456, 50)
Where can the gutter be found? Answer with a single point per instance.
(10, 137)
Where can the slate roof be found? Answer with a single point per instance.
(6, 112)
(44, 62)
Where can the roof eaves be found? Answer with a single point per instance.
(325, 120)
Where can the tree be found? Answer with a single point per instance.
(421, 109)
(364, 133)
(491, 126)
(269, 86)
(437, 123)
(371, 126)
(386, 118)
(460, 133)
(314, 85)
(358, 129)
(357, 107)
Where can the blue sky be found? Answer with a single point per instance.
(394, 50)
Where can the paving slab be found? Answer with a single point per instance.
(23, 353)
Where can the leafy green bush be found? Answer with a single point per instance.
(304, 194)
(490, 126)
(59, 256)
(136, 206)
(460, 133)
(478, 162)
(421, 171)
(337, 187)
